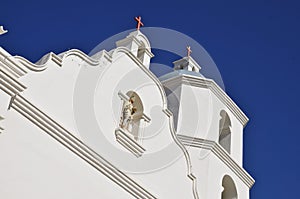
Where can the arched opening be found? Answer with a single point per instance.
(229, 189)
(225, 131)
(132, 113)
(141, 52)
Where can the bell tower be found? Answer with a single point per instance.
(138, 44)
(210, 125)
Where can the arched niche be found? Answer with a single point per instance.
(137, 114)
(225, 131)
(141, 52)
(229, 188)
(137, 103)
(132, 120)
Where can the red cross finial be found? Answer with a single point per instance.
(139, 22)
(189, 51)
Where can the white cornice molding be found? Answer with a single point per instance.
(185, 62)
(10, 84)
(13, 67)
(10, 64)
(64, 137)
(128, 142)
(10, 71)
(17, 66)
(214, 87)
(220, 153)
(43, 63)
(39, 67)
(149, 53)
(87, 58)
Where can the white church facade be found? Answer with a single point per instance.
(74, 126)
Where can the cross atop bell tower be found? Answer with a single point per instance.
(138, 44)
(139, 22)
(187, 63)
(189, 51)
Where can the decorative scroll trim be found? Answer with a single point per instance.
(42, 64)
(13, 67)
(185, 152)
(64, 137)
(220, 153)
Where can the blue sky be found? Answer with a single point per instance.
(254, 44)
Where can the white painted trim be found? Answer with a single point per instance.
(220, 153)
(11, 64)
(185, 153)
(149, 53)
(58, 60)
(66, 138)
(11, 68)
(129, 143)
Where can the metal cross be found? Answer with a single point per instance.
(139, 22)
(189, 51)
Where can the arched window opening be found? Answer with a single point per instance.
(229, 189)
(225, 131)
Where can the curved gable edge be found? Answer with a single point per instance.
(21, 66)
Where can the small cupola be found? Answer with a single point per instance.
(138, 44)
(187, 63)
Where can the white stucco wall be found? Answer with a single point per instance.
(210, 172)
(53, 91)
(83, 98)
(34, 165)
(199, 116)
(161, 151)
